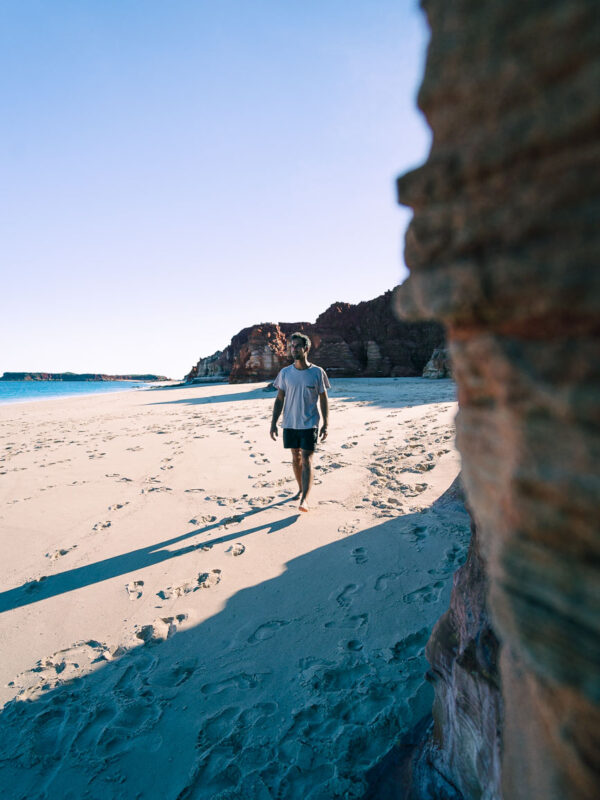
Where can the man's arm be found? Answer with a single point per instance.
(324, 415)
(277, 409)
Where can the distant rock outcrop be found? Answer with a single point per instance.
(363, 340)
(439, 365)
(503, 249)
(73, 376)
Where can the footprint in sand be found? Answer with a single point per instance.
(162, 628)
(31, 586)
(224, 501)
(344, 598)
(267, 630)
(134, 589)
(452, 559)
(349, 527)
(236, 550)
(260, 501)
(354, 645)
(426, 594)
(204, 520)
(231, 521)
(351, 623)
(205, 580)
(383, 581)
(64, 665)
(410, 647)
(359, 554)
(208, 579)
(59, 553)
(239, 681)
(412, 491)
(419, 532)
(101, 525)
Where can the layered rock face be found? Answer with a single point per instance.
(439, 365)
(456, 754)
(503, 249)
(363, 340)
(467, 712)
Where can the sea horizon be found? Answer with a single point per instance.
(28, 391)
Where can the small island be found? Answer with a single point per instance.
(73, 376)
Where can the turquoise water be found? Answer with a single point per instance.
(22, 391)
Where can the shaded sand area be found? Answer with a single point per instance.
(172, 627)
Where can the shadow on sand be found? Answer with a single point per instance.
(135, 560)
(381, 392)
(294, 690)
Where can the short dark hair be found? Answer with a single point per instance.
(303, 338)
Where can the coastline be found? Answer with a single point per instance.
(151, 551)
(142, 386)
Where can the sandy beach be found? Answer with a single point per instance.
(171, 626)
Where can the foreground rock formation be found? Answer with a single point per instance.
(455, 753)
(363, 340)
(467, 712)
(502, 249)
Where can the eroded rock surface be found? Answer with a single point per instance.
(363, 340)
(467, 711)
(456, 753)
(503, 249)
(439, 365)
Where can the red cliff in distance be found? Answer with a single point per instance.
(363, 340)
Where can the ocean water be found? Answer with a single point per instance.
(24, 391)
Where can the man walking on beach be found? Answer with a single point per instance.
(300, 386)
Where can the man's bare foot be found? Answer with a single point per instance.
(303, 505)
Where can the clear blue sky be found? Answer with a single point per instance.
(174, 171)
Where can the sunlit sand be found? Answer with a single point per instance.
(173, 626)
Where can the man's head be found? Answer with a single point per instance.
(299, 344)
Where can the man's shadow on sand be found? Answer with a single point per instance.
(253, 394)
(52, 585)
(228, 689)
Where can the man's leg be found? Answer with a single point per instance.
(297, 467)
(307, 478)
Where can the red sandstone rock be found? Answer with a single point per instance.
(503, 249)
(363, 340)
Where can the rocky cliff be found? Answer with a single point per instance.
(439, 365)
(363, 340)
(503, 249)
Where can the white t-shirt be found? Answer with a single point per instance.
(302, 388)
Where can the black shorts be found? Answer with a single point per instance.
(300, 438)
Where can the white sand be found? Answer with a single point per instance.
(172, 627)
